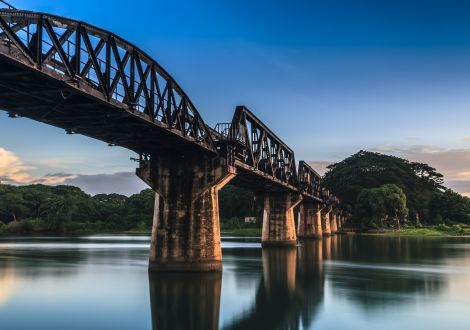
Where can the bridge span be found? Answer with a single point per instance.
(89, 81)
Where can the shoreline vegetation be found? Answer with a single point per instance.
(427, 231)
(387, 196)
(423, 231)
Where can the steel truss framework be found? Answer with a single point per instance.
(100, 64)
(309, 181)
(89, 57)
(252, 144)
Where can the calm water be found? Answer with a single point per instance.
(101, 282)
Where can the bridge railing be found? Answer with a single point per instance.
(84, 55)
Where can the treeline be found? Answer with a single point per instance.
(234, 205)
(61, 209)
(67, 209)
(388, 191)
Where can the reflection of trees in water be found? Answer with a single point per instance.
(185, 301)
(7, 280)
(378, 271)
(291, 289)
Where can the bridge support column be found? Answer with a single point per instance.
(278, 219)
(339, 221)
(318, 221)
(333, 222)
(306, 222)
(186, 231)
(325, 221)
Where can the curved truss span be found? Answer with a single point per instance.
(66, 68)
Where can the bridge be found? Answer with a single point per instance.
(89, 81)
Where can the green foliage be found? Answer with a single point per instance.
(354, 179)
(236, 202)
(449, 207)
(61, 209)
(40, 208)
(451, 230)
(378, 207)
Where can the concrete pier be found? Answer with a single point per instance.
(186, 231)
(325, 221)
(278, 218)
(318, 222)
(333, 223)
(306, 220)
(339, 220)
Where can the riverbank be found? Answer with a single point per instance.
(429, 231)
(242, 231)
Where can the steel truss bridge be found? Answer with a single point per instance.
(86, 80)
(89, 81)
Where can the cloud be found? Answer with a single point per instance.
(14, 171)
(125, 183)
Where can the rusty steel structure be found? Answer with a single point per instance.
(89, 81)
(309, 181)
(256, 151)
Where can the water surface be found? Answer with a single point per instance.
(101, 282)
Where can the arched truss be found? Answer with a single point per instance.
(252, 146)
(102, 65)
(309, 181)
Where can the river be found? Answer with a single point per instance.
(342, 282)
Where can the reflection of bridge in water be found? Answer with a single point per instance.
(89, 81)
(291, 291)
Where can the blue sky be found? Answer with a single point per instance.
(329, 77)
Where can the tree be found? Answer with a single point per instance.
(236, 202)
(366, 170)
(381, 206)
(448, 207)
(12, 205)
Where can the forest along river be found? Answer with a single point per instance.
(366, 282)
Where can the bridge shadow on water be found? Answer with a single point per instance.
(368, 273)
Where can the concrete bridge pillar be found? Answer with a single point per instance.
(278, 218)
(318, 221)
(333, 222)
(186, 231)
(325, 221)
(339, 220)
(306, 222)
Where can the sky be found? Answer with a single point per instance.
(329, 77)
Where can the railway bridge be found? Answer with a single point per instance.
(89, 81)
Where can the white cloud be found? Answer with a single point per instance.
(13, 170)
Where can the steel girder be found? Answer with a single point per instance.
(103, 65)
